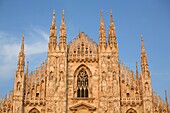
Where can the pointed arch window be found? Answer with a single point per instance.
(82, 84)
(18, 86)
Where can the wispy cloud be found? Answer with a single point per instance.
(10, 46)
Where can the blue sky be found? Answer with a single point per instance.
(151, 18)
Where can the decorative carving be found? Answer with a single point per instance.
(82, 107)
(115, 86)
(147, 90)
(131, 111)
(103, 107)
(83, 48)
(62, 63)
(104, 84)
(148, 109)
(34, 110)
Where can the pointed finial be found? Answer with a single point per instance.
(22, 45)
(53, 19)
(110, 13)
(63, 23)
(141, 37)
(111, 20)
(101, 18)
(22, 38)
(166, 97)
(53, 13)
(101, 13)
(62, 32)
(62, 13)
(143, 48)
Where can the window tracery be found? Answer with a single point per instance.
(82, 84)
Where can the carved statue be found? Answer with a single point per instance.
(115, 110)
(115, 91)
(104, 85)
(91, 90)
(103, 107)
(147, 88)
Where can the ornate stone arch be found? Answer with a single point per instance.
(18, 86)
(82, 82)
(34, 110)
(131, 110)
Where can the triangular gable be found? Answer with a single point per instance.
(90, 107)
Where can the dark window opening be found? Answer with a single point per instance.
(37, 94)
(78, 93)
(86, 92)
(82, 93)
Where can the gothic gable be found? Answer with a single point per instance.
(82, 105)
(82, 48)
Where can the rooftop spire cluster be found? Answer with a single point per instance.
(66, 81)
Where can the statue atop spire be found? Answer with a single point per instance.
(111, 19)
(63, 26)
(63, 17)
(62, 32)
(102, 31)
(53, 18)
(21, 57)
(112, 33)
(101, 16)
(53, 13)
(53, 29)
(143, 47)
(22, 46)
(144, 59)
(143, 53)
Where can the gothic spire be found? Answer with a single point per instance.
(26, 76)
(21, 57)
(102, 31)
(144, 59)
(22, 46)
(63, 30)
(112, 32)
(53, 29)
(166, 99)
(53, 19)
(26, 73)
(137, 78)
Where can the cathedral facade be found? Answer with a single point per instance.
(83, 76)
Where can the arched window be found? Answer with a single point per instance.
(82, 84)
(34, 110)
(131, 111)
(18, 86)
